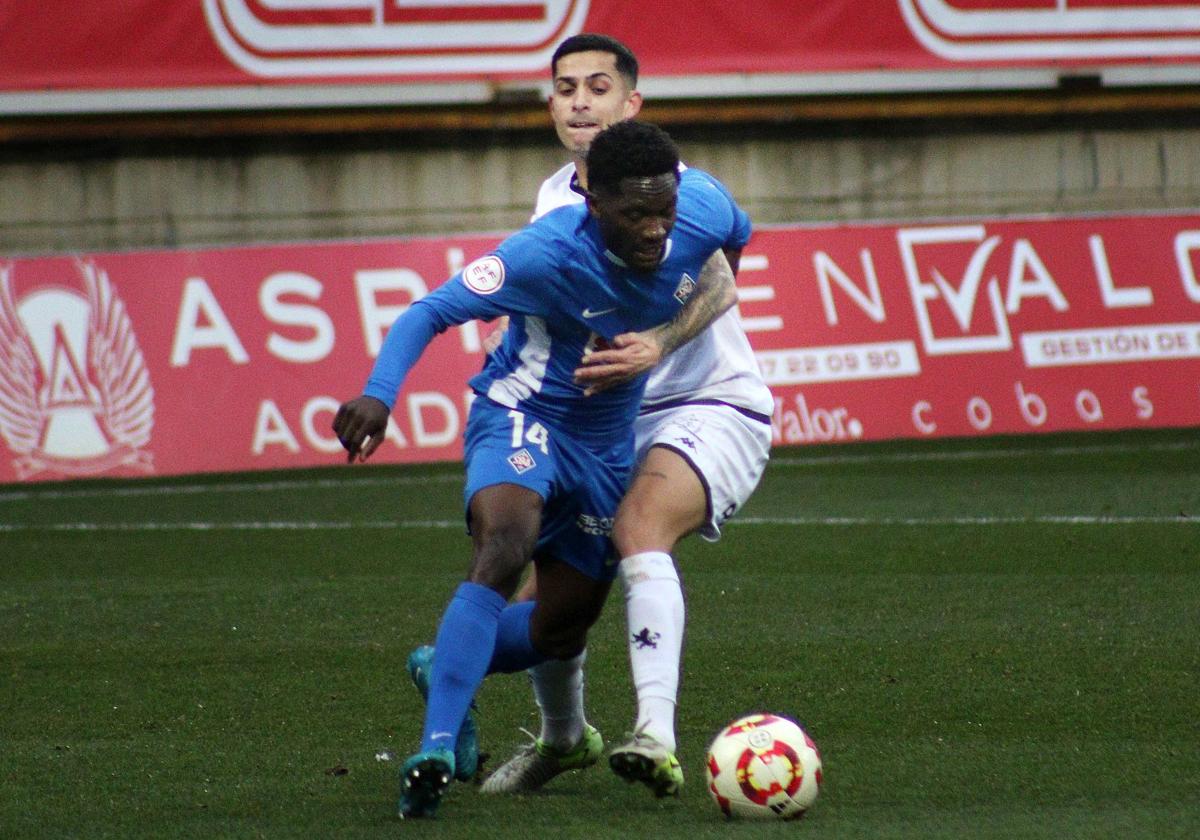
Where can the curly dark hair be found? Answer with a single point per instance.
(629, 149)
(627, 63)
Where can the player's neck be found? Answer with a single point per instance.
(581, 173)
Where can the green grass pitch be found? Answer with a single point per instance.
(994, 638)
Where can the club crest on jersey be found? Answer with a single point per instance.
(485, 276)
(522, 461)
(685, 288)
(75, 393)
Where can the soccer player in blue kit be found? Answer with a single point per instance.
(549, 457)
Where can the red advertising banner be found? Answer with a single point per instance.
(982, 327)
(168, 362)
(269, 50)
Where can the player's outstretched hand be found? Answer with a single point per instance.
(628, 355)
(359, 425)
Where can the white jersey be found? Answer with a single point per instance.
(716, 366)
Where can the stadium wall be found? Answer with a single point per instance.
(67, 196)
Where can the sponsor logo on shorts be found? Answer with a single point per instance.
(522, 461)
(485, 276)
(597, 526)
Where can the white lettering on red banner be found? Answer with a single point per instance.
(220, 52)
(231, 359)
(373, 37)
(1055, 29)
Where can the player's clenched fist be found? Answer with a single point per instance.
(359, 424)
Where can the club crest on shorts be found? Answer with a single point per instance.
(522, 461)
(485, 276)
(685, 288)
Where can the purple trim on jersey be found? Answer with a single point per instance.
(745, 412)
(574, 187)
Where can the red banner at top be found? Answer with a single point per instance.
(138, 44)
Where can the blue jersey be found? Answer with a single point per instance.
(565, 294)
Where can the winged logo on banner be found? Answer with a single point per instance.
(70, 404)
(20, 416)
(125, 391)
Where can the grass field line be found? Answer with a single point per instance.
(921, 521)
(272, 525)
(982, 454)
(192, 488)
(387, 525)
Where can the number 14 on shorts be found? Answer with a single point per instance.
(535, 435)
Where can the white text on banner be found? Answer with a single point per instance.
(839, 363)
(1140, 343)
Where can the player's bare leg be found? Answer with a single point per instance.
(666, 502)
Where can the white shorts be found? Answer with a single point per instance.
(727, 449)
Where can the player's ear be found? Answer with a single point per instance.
(633, 105)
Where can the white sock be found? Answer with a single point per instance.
(558, 689)
(654, 616)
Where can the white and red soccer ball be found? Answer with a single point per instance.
(764, 766)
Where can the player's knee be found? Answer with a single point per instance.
(639, 527)
(567, 649)
(528, 590)
(560, 632)
(634, 524)
(564, 642)
(501, 553)
(626, 533)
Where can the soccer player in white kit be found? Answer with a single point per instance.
(703, 436)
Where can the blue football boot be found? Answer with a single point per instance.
(424, 778)
(466, 748)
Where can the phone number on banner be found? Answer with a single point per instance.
(839, 363)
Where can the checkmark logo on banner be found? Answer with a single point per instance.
(962, 300)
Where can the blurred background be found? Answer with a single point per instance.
(177, 124)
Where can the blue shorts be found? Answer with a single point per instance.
(580, 488)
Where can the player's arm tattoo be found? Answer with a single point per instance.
(715, 294)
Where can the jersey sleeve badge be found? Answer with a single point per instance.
(485, 275)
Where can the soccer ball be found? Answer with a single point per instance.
(764, 766)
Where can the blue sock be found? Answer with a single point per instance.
(464, 645)
(514, 651)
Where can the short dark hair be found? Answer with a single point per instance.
(627, 63)
(630, 149)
